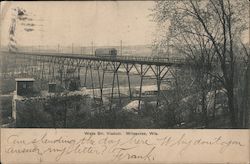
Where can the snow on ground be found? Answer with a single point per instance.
(132, 106)
(147, 88)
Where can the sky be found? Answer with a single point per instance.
(80, 23)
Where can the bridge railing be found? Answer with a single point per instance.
(154, 59)
(139, 58)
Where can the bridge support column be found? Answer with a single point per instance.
(158, 81)
(85, 76)
(60, 71)
(140, 93)
(49, 74)
(141, 81)
(159, 77)
(36, 69)
(79, 76)
(42, 69)
(118, 87)
(129, 86)
(142, 72)
(92, 83)
(115, 69)
(112, 92)
(78, 72)
(53, 72)
(128, 69)
(101, 81)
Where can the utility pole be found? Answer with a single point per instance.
(168, 49)
(58, 48)
(121, 47)
(92, 47)
(72, 48)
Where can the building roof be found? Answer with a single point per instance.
(25, 79)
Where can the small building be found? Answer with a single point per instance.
(24, 86)
(52, 87)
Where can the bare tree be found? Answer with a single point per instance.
(218, 25)
(245, 88)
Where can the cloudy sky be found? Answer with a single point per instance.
(64, 23)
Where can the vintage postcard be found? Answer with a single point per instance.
(125, 82)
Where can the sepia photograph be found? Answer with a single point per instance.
(125, 64)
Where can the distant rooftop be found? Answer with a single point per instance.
(25, 79)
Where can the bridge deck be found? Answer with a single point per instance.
(122, 59)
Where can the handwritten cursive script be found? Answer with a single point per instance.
(117, 147)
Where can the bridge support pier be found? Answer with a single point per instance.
(112, 92)
(128, 69)
(142, 72)
(115, 76)
(139, 103)
(50, 72)
(118, 87)
(158, 82)
(60, 71)
(85, 76)
(53, 72)
(159, 77)
(42, 69)
(129, 87)
(100, 83)
(92, 83)
(78, 76)
(78, 72)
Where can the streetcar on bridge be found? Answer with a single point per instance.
(106, 52)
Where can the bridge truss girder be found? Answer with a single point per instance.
(62, 64)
